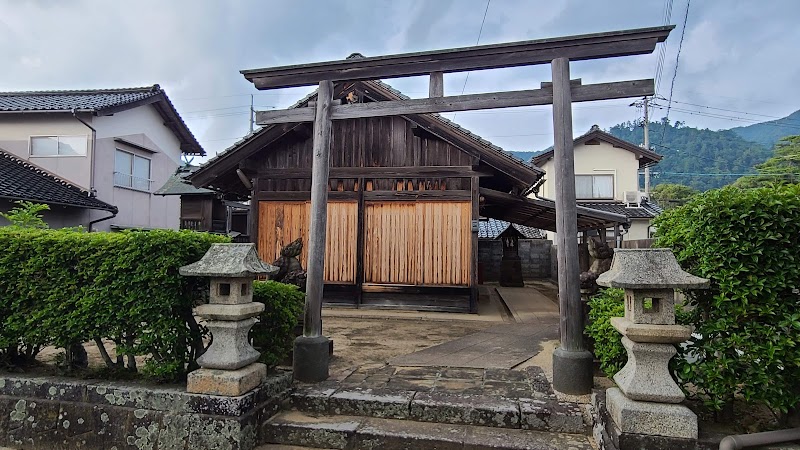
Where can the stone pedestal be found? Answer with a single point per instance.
(659, 419)
(229, 383)
(646, 375)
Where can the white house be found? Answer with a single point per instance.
(607, 178)
(116, 146)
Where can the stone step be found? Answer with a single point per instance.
(358, 432)
(278, 447)
(534, 412)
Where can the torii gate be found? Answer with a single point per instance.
(572, 363)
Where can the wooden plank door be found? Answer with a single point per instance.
(419, 243)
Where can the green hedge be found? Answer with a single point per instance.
(62, 288)
(607, 345)
(748, 323)
(273, 335)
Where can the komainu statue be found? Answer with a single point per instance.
(601, 255)
(290, 271)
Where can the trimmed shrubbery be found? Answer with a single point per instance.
(273, 335)
(61, 288)
(65, 287)
(608, 348)
(746, 344)
(747, 325)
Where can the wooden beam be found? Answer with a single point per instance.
(535, 97)
(381, 172)
(513, 54)
(436, 87)
(473, 283)
(410, 196)
(312, 326)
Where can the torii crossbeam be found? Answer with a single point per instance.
(572, 363)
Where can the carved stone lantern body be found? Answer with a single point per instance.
(647, 397)
(228, 367)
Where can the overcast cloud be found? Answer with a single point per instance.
(737, 55)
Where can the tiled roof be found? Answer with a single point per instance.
(86, 100)
(646, 157)
(492, 228)
(645, 211)
(178, 185)
(21, 180)
(102, 102)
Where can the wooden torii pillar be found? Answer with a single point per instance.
(572, 363)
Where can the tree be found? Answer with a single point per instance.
(782, 168)
(670, 195)
(26, 215)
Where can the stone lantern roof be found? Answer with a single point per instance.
(229, 261)
(653, 268)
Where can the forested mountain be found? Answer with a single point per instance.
(769, 133)
(693, 157)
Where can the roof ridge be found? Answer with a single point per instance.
(152, 88)
(44, 172)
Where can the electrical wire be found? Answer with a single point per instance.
(677, 61)
(478, 41)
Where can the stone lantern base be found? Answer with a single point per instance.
(649, 418)
(229, 383)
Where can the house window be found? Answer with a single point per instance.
(131, 171)
(594, 186)
(58, 145)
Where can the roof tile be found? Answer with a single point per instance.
(22, 180)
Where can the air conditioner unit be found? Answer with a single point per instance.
(633, 198)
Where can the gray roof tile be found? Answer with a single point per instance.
(22, 180)
(84, 100)
(492, 228)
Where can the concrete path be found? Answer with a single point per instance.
(501, 346)
(529, 304)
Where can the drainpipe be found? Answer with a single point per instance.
(92, 190)
(738, 441)
(113, 214)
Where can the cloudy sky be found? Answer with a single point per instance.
(737, 66)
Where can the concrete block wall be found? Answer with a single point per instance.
(534, 253)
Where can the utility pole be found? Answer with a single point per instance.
(253, 113)
(646, 146)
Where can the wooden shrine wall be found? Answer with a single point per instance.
(423, 243)
(280, 223)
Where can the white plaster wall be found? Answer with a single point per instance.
(143, 126)
(16, 130)
(638, 230)
(595, 160)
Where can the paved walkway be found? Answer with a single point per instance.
(501, 346)
(529, 304)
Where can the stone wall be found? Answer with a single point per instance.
(64, 413)
(534, 253)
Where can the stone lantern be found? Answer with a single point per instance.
(228, 367)
(647, 400)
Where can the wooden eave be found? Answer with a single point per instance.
(541, 213)
(540, 51)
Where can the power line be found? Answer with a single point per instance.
(662, 52)
(478, 41)
(677, 61)
(727, 117)
(735, 111)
